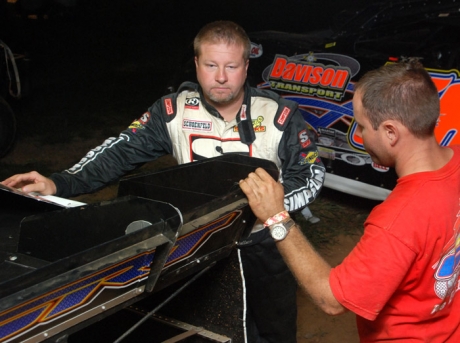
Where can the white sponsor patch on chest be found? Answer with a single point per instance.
(196, 125)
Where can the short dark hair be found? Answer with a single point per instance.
(402, 91)
(223, 31)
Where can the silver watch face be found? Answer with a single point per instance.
(278, 232)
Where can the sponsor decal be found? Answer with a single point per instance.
(301, 197)
(309, 157)
(189, 244)
(284, 114)
(136, 125)
(448, 84)
(306, 76)
(355, 159)
(196, 125)
(144, 118)
(256, 124)
(169, 106)
(332, 118)
(94, 153)
(192, 103)
(256, 50)
(243, 112)
(304, 139)
(139, 124)
(76, 295)
(324, 114)
(326, 131)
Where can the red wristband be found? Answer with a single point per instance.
(276, 218)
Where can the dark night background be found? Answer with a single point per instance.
(111, 56)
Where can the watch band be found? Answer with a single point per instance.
(279, 217)
(288, 223)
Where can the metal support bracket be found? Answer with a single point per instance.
(189, 330)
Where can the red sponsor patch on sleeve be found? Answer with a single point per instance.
(144, 118)
(304, 139)
(169, 106)
(284, 114)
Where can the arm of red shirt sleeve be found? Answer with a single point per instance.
(310, 270)
(370, 275)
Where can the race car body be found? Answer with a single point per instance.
(318, 70)
(64, 267)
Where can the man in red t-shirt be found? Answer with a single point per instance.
(402, 277)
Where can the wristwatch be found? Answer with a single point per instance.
(280, 230)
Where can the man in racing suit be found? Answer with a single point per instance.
(220, 115)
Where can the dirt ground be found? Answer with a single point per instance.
(313, 325)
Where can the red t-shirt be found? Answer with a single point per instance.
(401, 278)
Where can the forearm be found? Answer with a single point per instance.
(265, 197)
(310, 270)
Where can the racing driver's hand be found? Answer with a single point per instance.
(31, 182)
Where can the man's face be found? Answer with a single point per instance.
(375, 141)
(221, 71)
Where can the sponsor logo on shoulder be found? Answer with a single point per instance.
(284, 114)
(169, 106)
(196, 125)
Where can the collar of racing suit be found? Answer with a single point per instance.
(243, 118)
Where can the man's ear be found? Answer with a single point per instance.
(196, 61)
(392, 131)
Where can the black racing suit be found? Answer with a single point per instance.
(185, 125)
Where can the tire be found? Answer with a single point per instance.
(7, 128)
